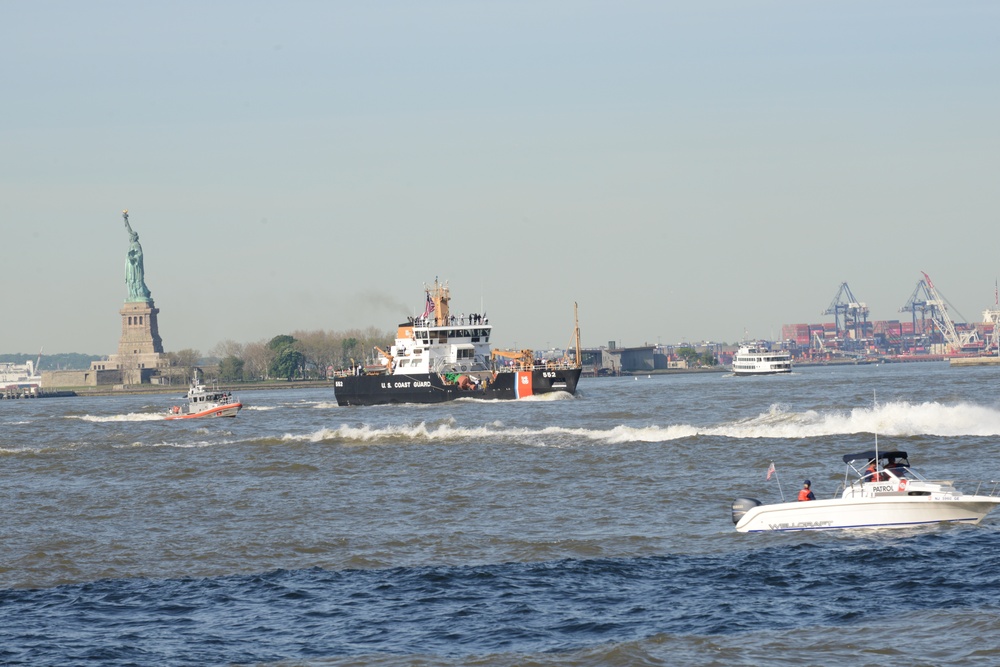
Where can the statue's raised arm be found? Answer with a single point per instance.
(127, 226)
(135, 277)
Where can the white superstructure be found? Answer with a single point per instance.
(14, 374)
(438, 341)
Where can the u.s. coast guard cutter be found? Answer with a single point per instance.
(438, 357)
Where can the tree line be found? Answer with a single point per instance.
(695, 359)
(298, 355)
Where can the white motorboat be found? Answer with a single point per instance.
(757, 359)
(205, 402)
(880, 490)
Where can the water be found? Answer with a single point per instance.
(559, 531)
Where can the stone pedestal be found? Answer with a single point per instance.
(140, 333)
(140, 349)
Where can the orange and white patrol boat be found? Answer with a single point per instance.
(204, 402)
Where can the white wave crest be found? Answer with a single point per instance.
(130, 417)
(889, 419)
(552, 435)
(534, 398)
(897, 419)
(198, 444)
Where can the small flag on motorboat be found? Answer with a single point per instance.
(770, 470)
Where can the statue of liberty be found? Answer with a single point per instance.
(134, 273)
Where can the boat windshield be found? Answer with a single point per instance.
(899, 472)
(879, 466)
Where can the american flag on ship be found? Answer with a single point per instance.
(429, 308)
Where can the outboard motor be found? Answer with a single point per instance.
(743, 505)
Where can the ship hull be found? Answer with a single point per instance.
(431, 388)
(764, 372)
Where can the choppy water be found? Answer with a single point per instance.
(586, 531)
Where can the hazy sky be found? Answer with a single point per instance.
(682, 170)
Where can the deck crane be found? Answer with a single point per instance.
(938, 307)
(850, 316)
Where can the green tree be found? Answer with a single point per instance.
(231, 369)
(279, 342)
(708, 359)
(288, 363)
(688, 354)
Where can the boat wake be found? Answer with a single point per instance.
(900, 419)
(536, 398)
(130, 417)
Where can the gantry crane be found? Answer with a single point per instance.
(850, 316)
(921, 304)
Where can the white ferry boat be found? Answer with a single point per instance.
(20, 380)
(438, 357)
(18, 374)
(756, 359)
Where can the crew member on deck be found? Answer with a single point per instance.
(805, 493)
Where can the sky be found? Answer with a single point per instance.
(683, 171)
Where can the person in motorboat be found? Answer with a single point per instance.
(895, 467)
(871, 472)
(805, 493)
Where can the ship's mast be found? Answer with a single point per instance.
(440, 295)
(576, 329)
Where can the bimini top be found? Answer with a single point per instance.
(871, 455)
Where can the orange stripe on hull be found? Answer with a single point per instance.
(214, 412)
(522, 386)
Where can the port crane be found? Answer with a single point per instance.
(819, 343)
(923, 306)
(937, 306)
(850, 315)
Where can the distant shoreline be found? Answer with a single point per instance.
(328, 384)
(174, 389)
